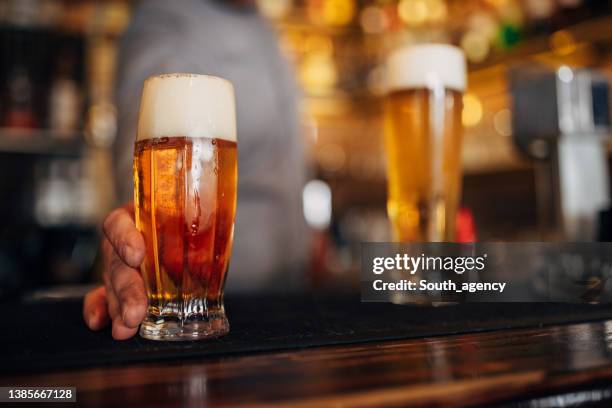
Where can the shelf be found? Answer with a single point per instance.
(39, 142)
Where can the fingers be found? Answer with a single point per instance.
(125, 306)
(127, 242)
(121, 331)
(128, 286)
(95, 311)
(123, 299)
(126, 292)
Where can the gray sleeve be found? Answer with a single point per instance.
(148, 47)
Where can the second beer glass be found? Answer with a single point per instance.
(423, 134)
(185, 177)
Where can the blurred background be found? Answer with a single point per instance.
(58, 121)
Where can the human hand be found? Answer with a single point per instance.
(122, 299)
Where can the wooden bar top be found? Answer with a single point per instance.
(481, 369)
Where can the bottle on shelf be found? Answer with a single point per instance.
(65, 101)
(19, 112)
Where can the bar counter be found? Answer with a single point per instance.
(325, 350)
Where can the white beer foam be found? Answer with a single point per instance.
(426, 66)
(187, 105)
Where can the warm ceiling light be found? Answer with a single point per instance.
(412, 12)
(437, 11)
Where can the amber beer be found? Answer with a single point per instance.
(185, 177)
(423, 134)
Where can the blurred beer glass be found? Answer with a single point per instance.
(423, 133)
(185, 177)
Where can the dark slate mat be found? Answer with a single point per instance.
(51, 335)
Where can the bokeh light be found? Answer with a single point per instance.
(331, 12)
(502, 122)
(565, 74)
(317, 204)
(331, 157)
(483, 23)
(476, 46)
(318, 73)
(511, 13)
(562, 42)
(540, 9)
(320, 44)
(373, 20)
(472, 110)
(275, 9)
(412, 12)
(437, 11)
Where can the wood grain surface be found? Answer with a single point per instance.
(479, 369)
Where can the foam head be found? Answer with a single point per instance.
(187, 105)
(426, 66)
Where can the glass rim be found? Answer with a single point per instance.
(168, 75)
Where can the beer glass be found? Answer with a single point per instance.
(185, 176)
(423, 134)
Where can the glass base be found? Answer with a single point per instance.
(170, 329)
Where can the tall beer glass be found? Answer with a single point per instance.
(185, 176)
(423, 134)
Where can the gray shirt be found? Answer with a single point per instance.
(205, 36)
